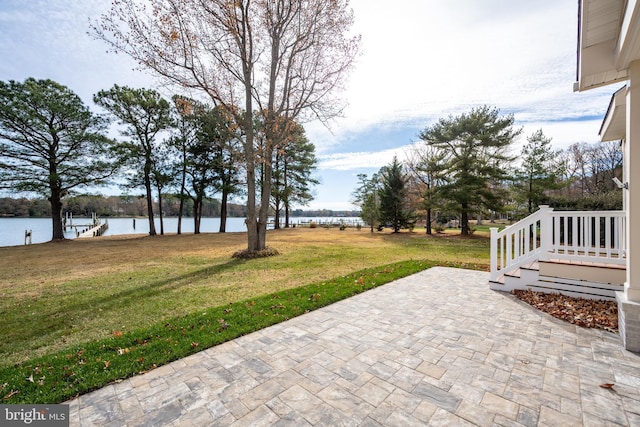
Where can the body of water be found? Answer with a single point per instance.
(12, 230)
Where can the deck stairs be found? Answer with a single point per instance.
(556, 252)
(580, 280)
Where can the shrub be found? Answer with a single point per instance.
(245, 254)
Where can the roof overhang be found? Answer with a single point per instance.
(614, 124)
(608, 41)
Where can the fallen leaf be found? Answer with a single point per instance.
(10, 395)
(579, 311)
(30, 379)
(607, 385)
(223, 324)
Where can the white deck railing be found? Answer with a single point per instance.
(595, 236)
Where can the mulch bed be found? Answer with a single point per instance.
(582, 312)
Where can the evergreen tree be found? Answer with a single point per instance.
(366, 197)
(393, 198)
(211, 161)
(538, 172)
(293, 165)
(183, 137)
(476, 145)
(50, 143)
(145, 114)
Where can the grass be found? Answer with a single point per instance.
(78, 315)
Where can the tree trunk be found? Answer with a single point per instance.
(464, 221)
(147, 186)
(529, 198)
(286, 215)
(223, 209)
(287, 194)
(263, 216)
(276, 219)
(196, 219)
(180, 207)
(182, 182)
(56, 215)
(253, 241)
(428, 224)
(160, 212)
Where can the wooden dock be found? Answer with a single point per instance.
(98, 230)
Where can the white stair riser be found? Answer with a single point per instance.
(529, 278)
(579, 291)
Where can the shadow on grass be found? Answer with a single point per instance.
(51, 323)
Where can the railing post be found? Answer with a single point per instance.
(546, 232)
(494, 254)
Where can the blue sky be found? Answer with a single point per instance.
(421, 60)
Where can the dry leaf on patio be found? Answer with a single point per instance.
(607, 385)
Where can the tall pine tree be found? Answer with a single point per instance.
(538, 173)
(476, 145)
(50, 143)
(366, 197)
(394, 209)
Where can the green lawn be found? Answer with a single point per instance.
(71, 308)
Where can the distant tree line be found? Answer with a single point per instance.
(112, 206)
(323, 213)
(131, 206)
(464, 168)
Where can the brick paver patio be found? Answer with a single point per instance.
(436, 348)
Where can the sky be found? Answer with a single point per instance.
(420, 60)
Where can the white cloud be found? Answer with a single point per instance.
(360, 160)
(427, 59)
(421, 60)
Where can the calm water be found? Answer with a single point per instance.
(12, 229)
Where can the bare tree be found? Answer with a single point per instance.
(606, 161)
(283, 58)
